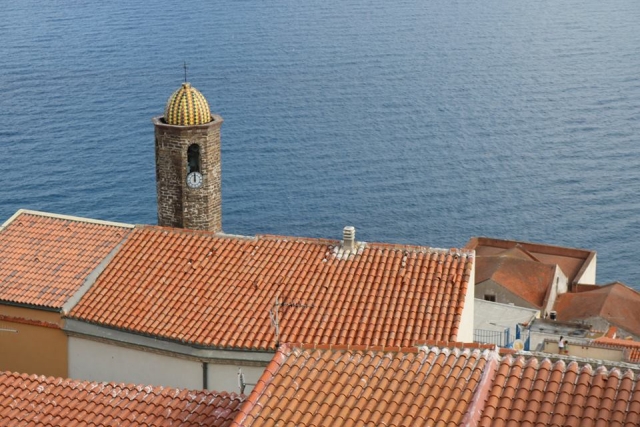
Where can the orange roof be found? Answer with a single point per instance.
(45, 258)
(573, 262)
(403, 386)
(47, 401)
(219, 291)
(631, 348)
(518, 272)
(399, 387)
(616, 303)
(539, 392)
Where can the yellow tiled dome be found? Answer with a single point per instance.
(187, 107)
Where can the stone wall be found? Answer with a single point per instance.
(178, 204)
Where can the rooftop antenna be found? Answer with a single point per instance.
(185, 71)
(241, 383)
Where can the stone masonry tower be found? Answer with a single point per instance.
(188, 179)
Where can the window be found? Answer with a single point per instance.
(491, 298)
(193, 158)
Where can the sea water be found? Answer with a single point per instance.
(423, 122)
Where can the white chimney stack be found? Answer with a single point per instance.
(349, 239)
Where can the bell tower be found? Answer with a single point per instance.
(188, 175)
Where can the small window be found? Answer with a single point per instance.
(193, 158)
(491, 298)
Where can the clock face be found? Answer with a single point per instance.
(194, 180)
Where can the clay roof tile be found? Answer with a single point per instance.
(394, 386)
(615, 303)
(44, 258)
(560, 394)
(85, 403)
(379, 296)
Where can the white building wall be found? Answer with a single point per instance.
(97, 361)
(560, 285)
(494, 316)
(588, 277)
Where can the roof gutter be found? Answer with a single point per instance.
(31, 306)
(80, 329)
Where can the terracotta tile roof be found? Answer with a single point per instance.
(615, 302)
(47, 401)
(337, 386)
(218, 291)
(631, 348)
(529, 391)
(573, 262)
(522, 275)
(45, 258)
(403, 386)
(517, 252)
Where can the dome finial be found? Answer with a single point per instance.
(185, 71)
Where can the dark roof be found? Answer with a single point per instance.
(616, 303)
(572, 261)
(518, 272)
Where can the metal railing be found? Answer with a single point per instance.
(499, 338)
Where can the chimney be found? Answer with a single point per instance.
(349, 239)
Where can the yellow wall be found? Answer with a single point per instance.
(587, 351)
(32, 342)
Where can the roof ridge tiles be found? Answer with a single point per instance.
(349, 347)
(336, 242)
(427, 345)
(481, 393)
(581, 362)
(586, 368)
(457, 252)
(543, 248)
(559, 364)
(301, 239)
(62, 217)
(615, 372)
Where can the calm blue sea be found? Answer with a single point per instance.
(424, 122)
